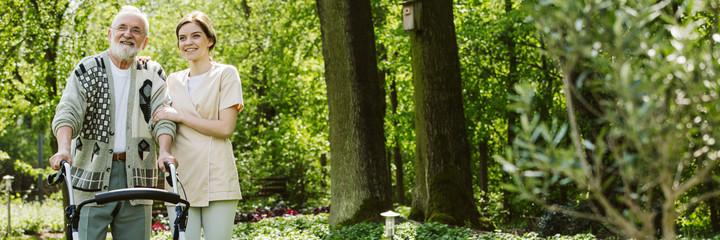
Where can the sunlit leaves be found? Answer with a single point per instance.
(654, 77)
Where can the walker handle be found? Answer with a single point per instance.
(169, 176)
(59, 176)
(137, 193)
(172, 176)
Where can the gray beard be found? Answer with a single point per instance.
(123, 52)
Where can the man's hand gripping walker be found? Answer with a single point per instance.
(72, 213)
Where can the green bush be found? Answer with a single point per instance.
(361, 231)
(640, 91)
(31, 217)
(431, 230)
(694, 223)
(552, 223)
(293, 227)
(405, 231)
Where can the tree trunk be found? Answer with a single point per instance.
(713, 203)
(511, 79)
(511, 115)
(399, 174)
(360, 188)
(484, 159)
(546, 96)
(443, 187)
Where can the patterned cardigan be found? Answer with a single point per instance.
(87, 106)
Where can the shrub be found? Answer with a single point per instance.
(290, 227)
(360, 231)
(640, 90)
(32, 217)
(432, 230)
(552, 223)
(280, 210)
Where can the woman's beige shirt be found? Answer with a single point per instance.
(206, 165)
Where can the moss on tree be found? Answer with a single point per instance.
(369, 212)
(446, 206)
(417, 215)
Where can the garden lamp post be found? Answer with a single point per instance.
(8, 185)
(389, 223)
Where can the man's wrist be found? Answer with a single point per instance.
(64, 149)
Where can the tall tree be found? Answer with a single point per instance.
(443, 189)
(510, 81)
(397, 156)
(360, 187)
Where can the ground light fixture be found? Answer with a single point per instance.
(389, 223)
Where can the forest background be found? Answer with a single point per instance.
(284, 129)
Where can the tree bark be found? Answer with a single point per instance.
(484, 159)
(399, 173)
(713, 203)
(443, 187)
(510, 114)
(546, 96)
(360, 188)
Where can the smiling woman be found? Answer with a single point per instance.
(206, 100)
(37, 67)
(194, 44)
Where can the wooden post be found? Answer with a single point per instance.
(41, 188)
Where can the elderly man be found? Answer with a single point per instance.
(104, 129)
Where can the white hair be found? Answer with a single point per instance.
(134, 11)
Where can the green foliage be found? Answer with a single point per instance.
(406, 231)
(552, 223)
(3, 156)
(295, 227)
(20, 158)
(402, 210)
(364, 231)
(441, 231)
(42, 45)
(491, 205)
(649, 79)
(694, 222)
(532, 235)
(32, 217)
(394, 64)
(27, 169)
(484, 29)
(283, 129)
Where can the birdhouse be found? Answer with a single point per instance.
(411, 15)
